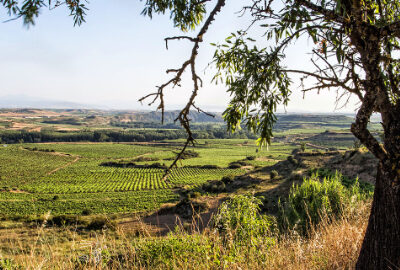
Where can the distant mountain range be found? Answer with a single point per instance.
(23, 101)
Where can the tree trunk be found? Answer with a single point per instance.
(381, 245)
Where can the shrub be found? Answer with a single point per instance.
(186, 208)
(144, 158)
(239, 220)
(86, 212)
(65, 220)
(314, 200)
(234, 165)
(292, 160)
(214, 187)
(366, 189)
(238, 164)
(273, 174)
(303, 147)
(194, 194)
(221, 187)
(100, 223)
(296, 151)
(210, 167)
(228, 179)
(188, 154)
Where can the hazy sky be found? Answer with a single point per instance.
(117, 56)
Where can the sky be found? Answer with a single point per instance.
(118, 56)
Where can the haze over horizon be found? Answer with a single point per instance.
(118, 56)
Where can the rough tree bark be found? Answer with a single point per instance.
(381, 246)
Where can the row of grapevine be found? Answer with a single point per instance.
(123, 179)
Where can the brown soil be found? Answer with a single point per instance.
(161, 224)
(31, 113)
(67, 129)
(36, 129)
(265, 159)
(17, 191)
(17, 126)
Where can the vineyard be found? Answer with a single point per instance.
(124, 179)
(69, 178)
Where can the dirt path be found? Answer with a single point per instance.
(316, 146)
(64, 166)
(57, 154)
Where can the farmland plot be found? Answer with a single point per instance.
(67, 178)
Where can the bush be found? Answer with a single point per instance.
(65, 220)
(240, 221)
(251, 158)
(228, 179)
(193, 195)
(303, 147)
(186, 208)
(210, 167)
(144, 158)
(100, 223)
(86, 212)
(292, 160)
(296, 151)
(313, 201)
(238, 164)
(214, 187)
(234, 165)
(366, 189)
(273, 174)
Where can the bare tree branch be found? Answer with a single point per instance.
(183, 116)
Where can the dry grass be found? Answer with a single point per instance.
(330, 246)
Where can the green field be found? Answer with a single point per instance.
(67, 178)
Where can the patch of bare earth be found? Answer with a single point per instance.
(266, 159)
(67, 129)
(18, 126)
(165, 220)
(18, 191)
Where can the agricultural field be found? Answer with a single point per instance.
(66, 162)
(69, 178)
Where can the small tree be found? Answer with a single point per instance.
(303, 147)
(273, 174)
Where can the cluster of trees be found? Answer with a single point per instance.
(159, 125)
(116, 136)
(64, 121)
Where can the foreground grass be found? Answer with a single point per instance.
(330, 246)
